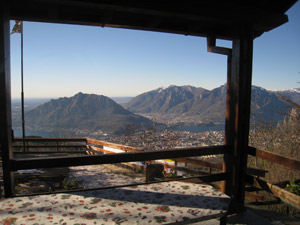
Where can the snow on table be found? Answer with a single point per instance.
(159, 203)
(100, 176)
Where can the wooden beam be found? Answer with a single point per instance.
(50, 146)
(97, 150)
(285, 196)
(113, 145)
(211, 47)
(50, 152)
(5, 100)
(238, 114)
(51, 139)
(275, 158)
(200, 19)
(201, 163)
(256, 172)
(22, 164)
(254, 196)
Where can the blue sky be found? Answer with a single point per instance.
(62, 60)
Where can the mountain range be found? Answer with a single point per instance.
(184, 104)
(83, 111)
(293, 94)
(208, 105)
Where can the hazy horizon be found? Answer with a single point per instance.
(55, 97)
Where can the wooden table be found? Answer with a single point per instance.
(159, 203)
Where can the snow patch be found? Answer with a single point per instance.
(160, 89)
(297, 90)
(30, 171)
(100, 176)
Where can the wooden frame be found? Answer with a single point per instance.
(22, 164)
(5, 100)
(227, 20)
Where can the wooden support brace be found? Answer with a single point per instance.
(237, 116)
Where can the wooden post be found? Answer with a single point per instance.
(238, 102)
(5, 100)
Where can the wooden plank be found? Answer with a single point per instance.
(285, 196)
(51, 139)
(113, 145)
(211, 47)
(182, 169)
(229, 128)
(254, 196)
(207, 18)
(50, 152)
(276, 158)
(201, 163)
(150, 162)
(98, 150)
(256, 172)
(50, 146)
(5, 99)
(194, 161)
(237, 116)
(18, 164)
(123, 147)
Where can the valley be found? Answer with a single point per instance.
(176, 108)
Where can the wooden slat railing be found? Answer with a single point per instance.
(91, 146)
(132, 154)
(198, 162)
(275, 158)
(94, 150)
(50, 162)
(142, 168)
(285, 196)
(50, 139)
(281, 193)
(47, 145)
(113, 145)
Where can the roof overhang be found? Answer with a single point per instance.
(221, 19)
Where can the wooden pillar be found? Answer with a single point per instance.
(5, 100)
(238, 103)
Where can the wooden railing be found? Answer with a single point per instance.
(66, 145)
(275, 158)
(96, 147)
(117, 153)
(279, 192)
(49, 145)
(130, 154)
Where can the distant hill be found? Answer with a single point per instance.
(205, 104)
(293, 94)
(181, 105)
(165, 100)
(83, 111)
(267, 105)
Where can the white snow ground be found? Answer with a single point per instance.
(103, 176)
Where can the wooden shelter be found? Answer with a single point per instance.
(240, 22)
